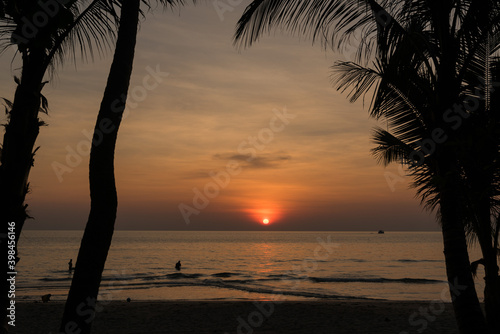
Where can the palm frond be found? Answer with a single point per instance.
(92, 30)
(44, 104)
(7, 28)
(474, 266)
(8, 105)
(357, 78)
(389, 148)
(427, 185)
(331, 22)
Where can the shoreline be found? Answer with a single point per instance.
(214, 316)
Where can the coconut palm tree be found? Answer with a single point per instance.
(437, 43)
(80, 307)
(474, 145)
(480, 160)
(79, 310)
(404, 101)
(43, 33)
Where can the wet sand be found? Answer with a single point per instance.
(353, 316)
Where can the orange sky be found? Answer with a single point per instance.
(298, 152)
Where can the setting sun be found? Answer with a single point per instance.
(265, 213)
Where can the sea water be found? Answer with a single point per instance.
(244, 265)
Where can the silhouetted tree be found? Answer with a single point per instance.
(425, 53)
(80, 308)
(405, 100)
(43, 32)
(479, 154)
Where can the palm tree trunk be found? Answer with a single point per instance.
(80, 310)
(479, 180)
(466, 306)
(468, 313)
(486, 235)
(17, 154)
(492, 291)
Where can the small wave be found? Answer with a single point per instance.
(374, 280)
(274, 277)
(213, 281)
(120, 278)
(152, 278)
(281, 278)
(222, 284)
(225, 274)
(277, 275)
(181, 275)
(60, 279)
(272, 291)
(59, 271)
(176, 280)
(239, 281)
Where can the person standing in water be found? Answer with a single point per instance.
(178, 265)
(70, 265)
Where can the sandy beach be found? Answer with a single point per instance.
(351, 316)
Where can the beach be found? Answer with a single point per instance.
(398, 287)
(352, 316)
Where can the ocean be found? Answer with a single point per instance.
(244, 265)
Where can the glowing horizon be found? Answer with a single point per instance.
(298, 152)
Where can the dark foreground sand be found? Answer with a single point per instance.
(245, 317)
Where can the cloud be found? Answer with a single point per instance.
(263, 161)
(191, 126)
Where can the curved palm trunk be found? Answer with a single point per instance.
(479, 181)
(468, 313)
(491, 278)
(492, 291)
(21, 132)
(80, 309)
(17, 156)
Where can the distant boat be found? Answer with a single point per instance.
(381, 232)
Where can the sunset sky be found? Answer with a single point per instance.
(266, 121)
